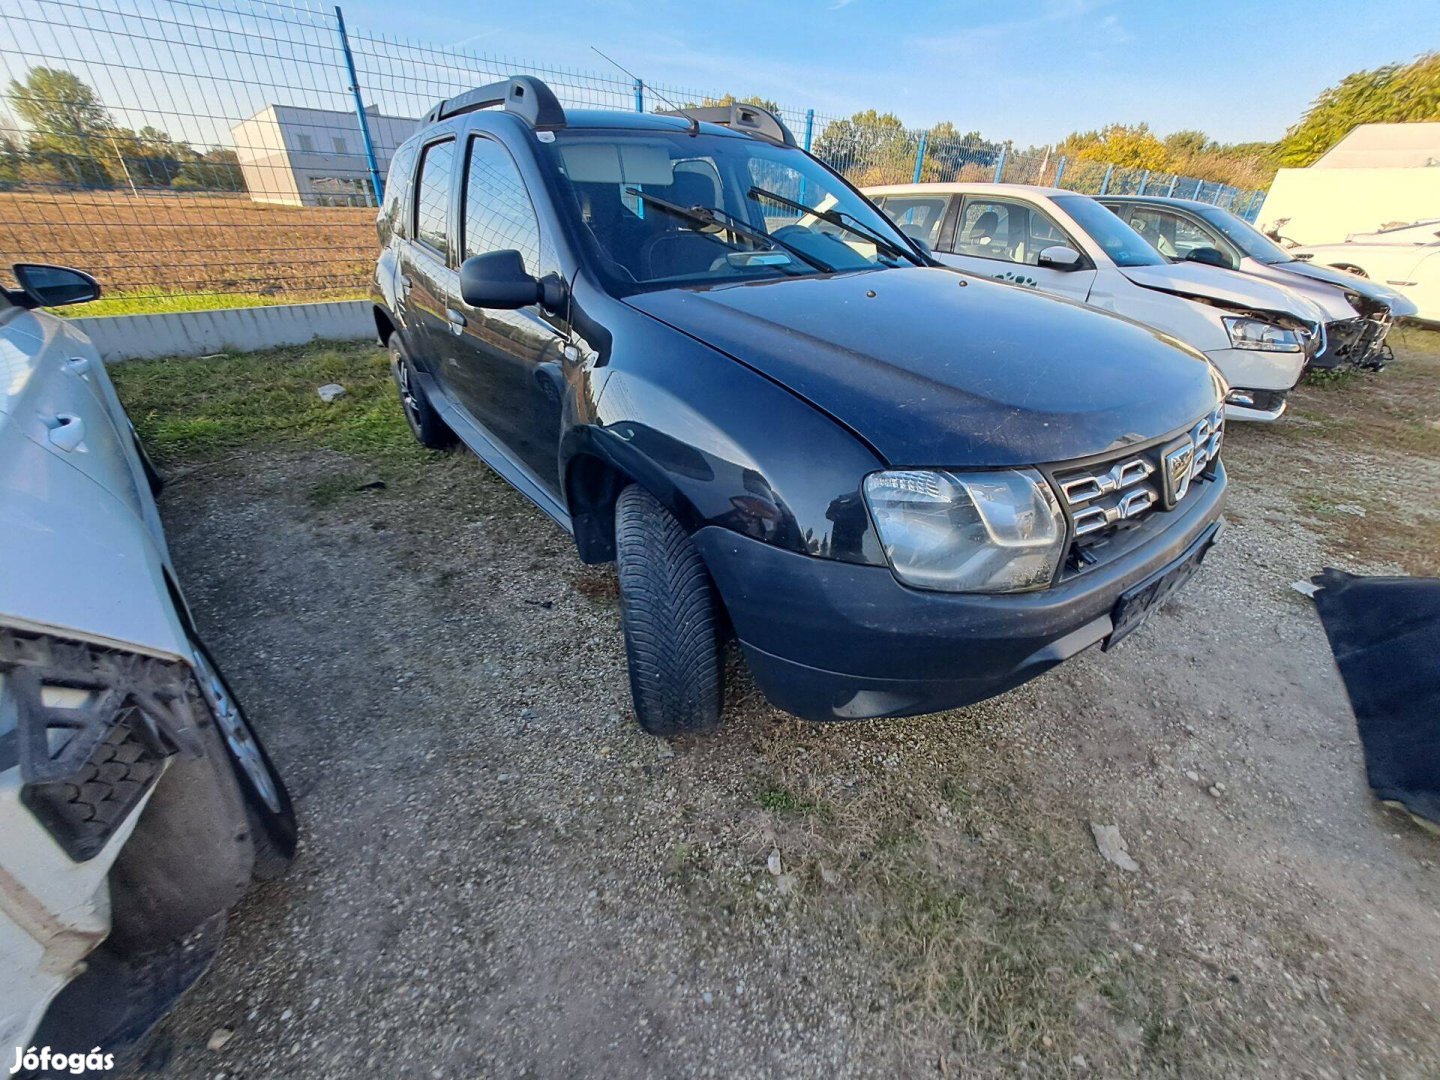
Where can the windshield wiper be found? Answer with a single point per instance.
(841, 219)
(716, 220)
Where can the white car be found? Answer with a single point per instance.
(1358, 313)
(1260, 336)
(1406, 258)
(136, 801)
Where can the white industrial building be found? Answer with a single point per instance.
(1378, 175)
(314, 157)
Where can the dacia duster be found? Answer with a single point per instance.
(712, 361)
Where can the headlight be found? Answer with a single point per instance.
(986, 532)
(1248, 333)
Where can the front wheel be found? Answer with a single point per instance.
(273, 827)
(669, 613)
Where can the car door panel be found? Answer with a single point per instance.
(506, 366)
(997, 238)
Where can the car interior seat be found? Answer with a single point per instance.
(676, 248)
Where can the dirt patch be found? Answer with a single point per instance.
(170, 243)
(502, 876)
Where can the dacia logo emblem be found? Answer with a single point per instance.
(1176, 461)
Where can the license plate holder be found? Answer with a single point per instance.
(1137, 603)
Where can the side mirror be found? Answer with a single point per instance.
(1210, 257)
(55, 286)
(1059, 257)
(498, 279)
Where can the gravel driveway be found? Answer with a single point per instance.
(501, 876)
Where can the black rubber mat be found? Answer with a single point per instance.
(1385, 634)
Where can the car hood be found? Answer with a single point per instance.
(1222, 286)
(933, 367)
(1399, 305)
(78, 561)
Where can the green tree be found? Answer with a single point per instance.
(68, 125)
(868, 148)
(1394, 93)
(214, 170)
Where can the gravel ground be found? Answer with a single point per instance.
(501, 876)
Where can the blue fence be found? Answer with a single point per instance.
(236, 148)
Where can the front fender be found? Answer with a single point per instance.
(721, 445)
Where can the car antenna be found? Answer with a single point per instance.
(694, 123)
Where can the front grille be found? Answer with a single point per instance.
(1109, 497)
(1359, 341)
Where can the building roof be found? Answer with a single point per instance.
(1385, 146)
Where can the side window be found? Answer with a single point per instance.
(432, 196)
(1010, 231)
(918, 217)
(984, 230)
(498, 211)
(397, 187)
(1171, 235)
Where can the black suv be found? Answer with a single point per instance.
(711, 360)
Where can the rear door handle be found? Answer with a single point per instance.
(68, 432)
(457, 321)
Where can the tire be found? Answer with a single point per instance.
(669, 614)
(274, 829)
(425, 423)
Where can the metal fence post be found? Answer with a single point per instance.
(639, 95)
(1105, 184)
(1143, 181)
(809, 127)
(1218, 192)
(920, 156)
(1000, 165)
(1199, 188)
(1060, 170)
(377, 184)
(1173, 181)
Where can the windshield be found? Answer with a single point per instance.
(764, 211)
(1246, 237)
(1123, 244)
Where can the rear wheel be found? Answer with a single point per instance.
(425, 423)
(669, 613)
(273, 827)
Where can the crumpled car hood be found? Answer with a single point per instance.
(1400, 305)
(1222, 286)
(933, 367)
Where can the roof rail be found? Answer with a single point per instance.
(526, 97)
(751, 119)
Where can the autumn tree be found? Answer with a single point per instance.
(1394, 93)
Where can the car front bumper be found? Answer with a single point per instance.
(1256, 369)
(829, 640)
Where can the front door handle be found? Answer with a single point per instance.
(457, 321)
(68, 432)
(406, 281)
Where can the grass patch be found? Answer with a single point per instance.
(200, 408)
(160, 303)
(782, 800)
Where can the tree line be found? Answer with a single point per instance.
(874, 148)
(73, 141)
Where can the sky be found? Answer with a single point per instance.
(1027, 71)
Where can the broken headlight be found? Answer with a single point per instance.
(90, 728)
(983, 532)
(1261, 336)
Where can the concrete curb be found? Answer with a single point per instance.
(196, 333)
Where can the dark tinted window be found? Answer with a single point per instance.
(498, 212)
(432, 196)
